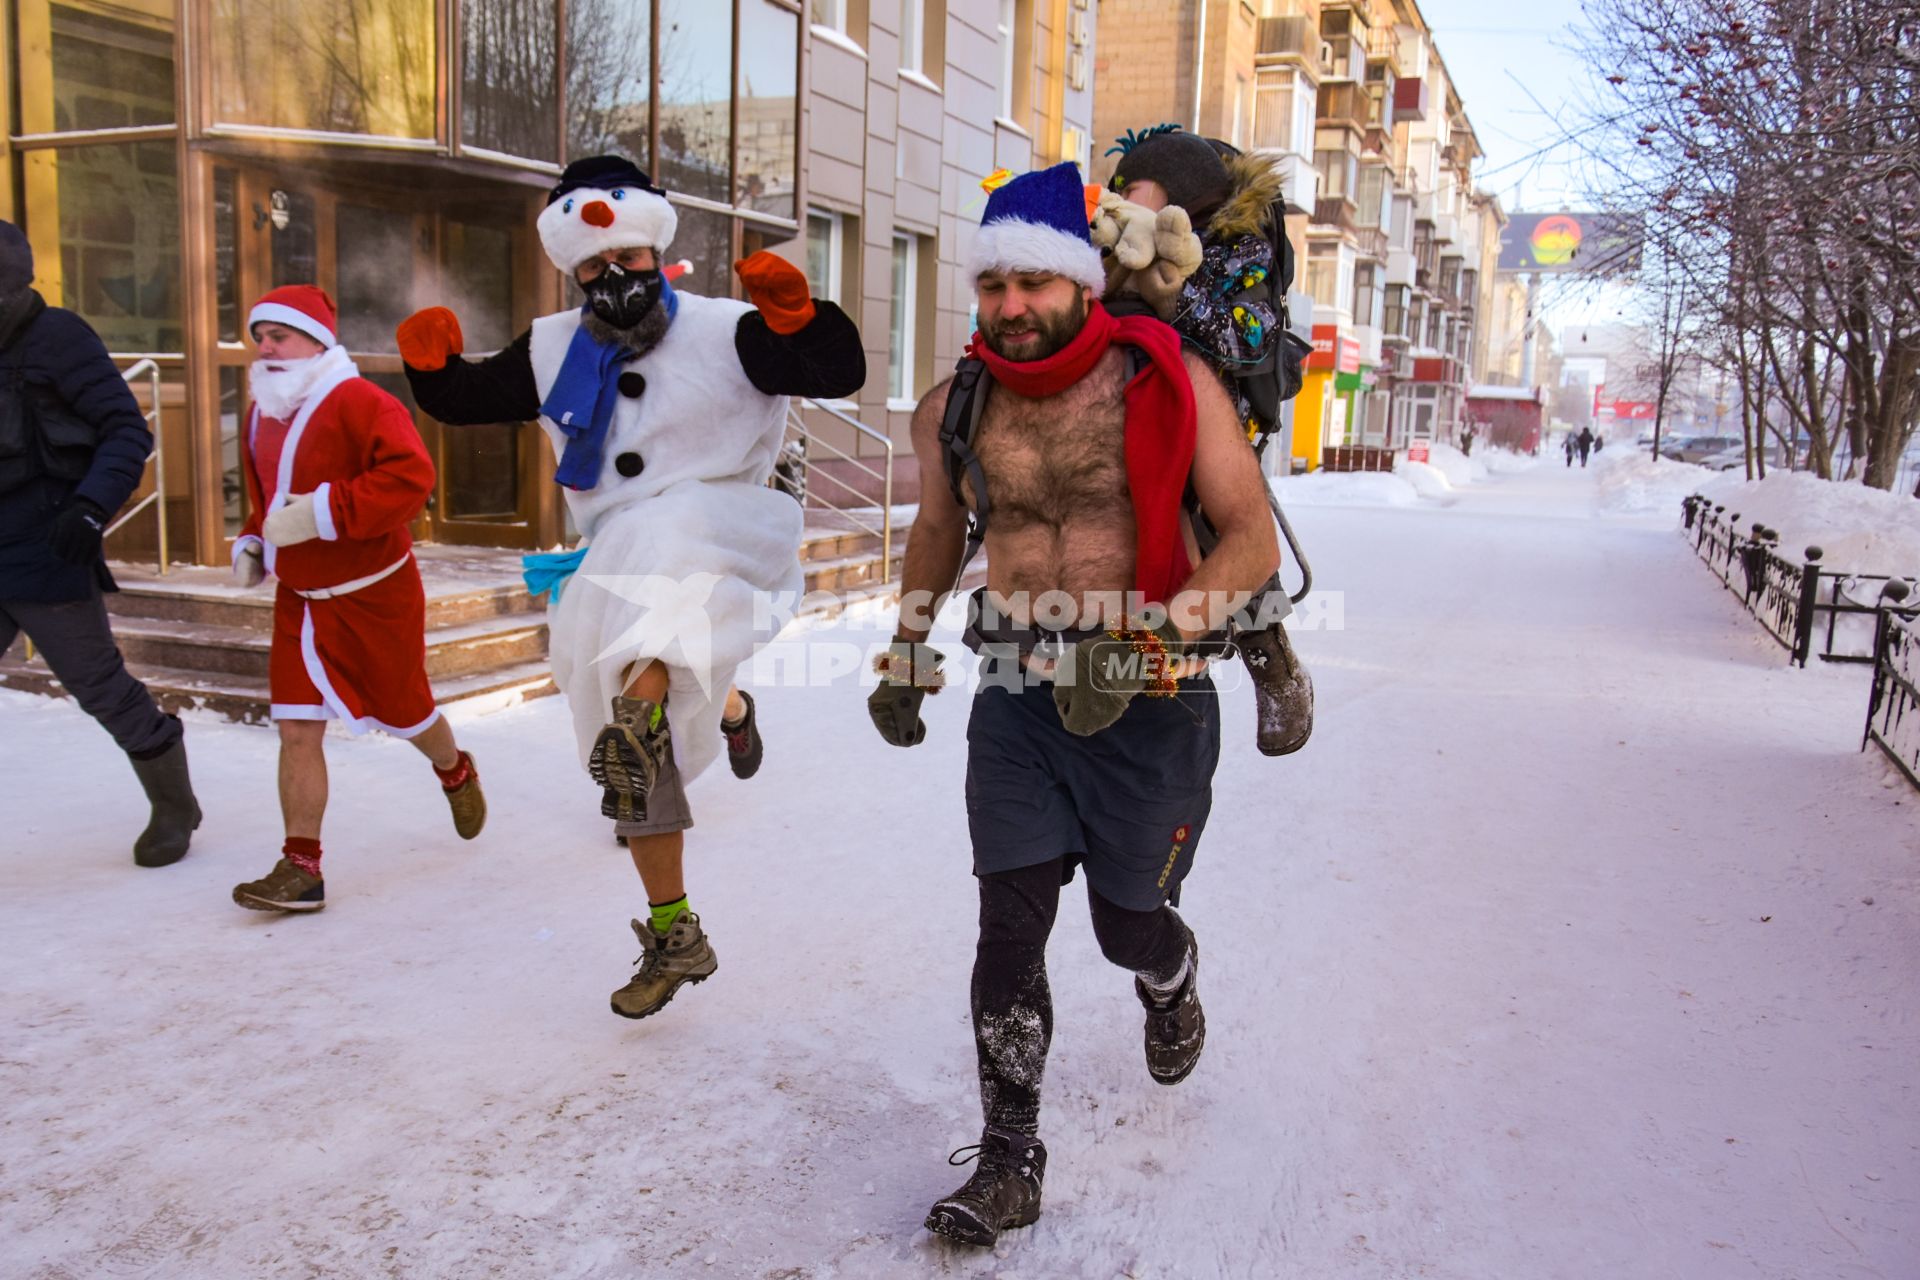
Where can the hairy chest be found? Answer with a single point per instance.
(1057, 460)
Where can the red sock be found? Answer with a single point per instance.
(455, 778)
(302, 853)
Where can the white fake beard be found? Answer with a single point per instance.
(280, 386)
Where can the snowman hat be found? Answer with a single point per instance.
(602, 203)
(304, 308)
(1038, 222)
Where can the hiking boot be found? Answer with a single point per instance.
(468, 802)
(175, 813)
(626, 757)
(666, 964)
(744, 749)
(1282, 690)
(285, 888)
(1003, 1192)
(1176, 1027)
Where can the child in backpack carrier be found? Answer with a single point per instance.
(1231, 311)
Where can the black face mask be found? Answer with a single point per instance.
(623, 298)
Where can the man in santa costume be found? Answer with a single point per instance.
(666, 412)
(335, 471)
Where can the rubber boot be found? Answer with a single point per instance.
(176, 814)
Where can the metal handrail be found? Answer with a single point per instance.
(884, 476)
(148, 369)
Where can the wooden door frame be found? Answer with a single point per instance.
(535, 291)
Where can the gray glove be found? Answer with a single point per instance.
(909, 671)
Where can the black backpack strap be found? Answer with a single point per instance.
(966, 403)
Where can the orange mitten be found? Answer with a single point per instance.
(428, 337)
(779, 289)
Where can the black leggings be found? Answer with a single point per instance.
(1012, 1006)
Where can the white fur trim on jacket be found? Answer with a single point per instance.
(292, 317)
(1012, 244)
(323, 512)
(640, 220)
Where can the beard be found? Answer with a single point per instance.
(280, 387)
(1056, 330)
(639, 339)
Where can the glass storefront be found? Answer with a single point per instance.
(327, 66)
(104, 222)
(509, 77)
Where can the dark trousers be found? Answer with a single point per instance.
(1012, 1005)
(76, 640)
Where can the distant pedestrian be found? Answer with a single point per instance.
(1583, 443)
(73, 444)
(1466, 442)
(1566, 444)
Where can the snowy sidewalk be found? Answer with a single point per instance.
(1580, 942)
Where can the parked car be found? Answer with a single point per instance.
(1733, 459)
(1696, 448)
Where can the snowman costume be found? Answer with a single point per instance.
(665, 455)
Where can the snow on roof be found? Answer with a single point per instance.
(1487, 391)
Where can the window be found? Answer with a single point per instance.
(826, 241)
(768, 104)
(108, 246)
(1273, 108)
(104, 72)
(1366, 298)
(1323, 279)
(509, 95)
(913, 38)
(333, 66)
(609, 79)
(1009, 63)
(906, 303)
(1235, 130)
(696, 108)
(1372, 203)
(1336, 173)
(831, 14)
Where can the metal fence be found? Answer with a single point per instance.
(1893, 708)
(1802, 605)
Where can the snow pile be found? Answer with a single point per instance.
(1427, 480)
(1859, 530)
(1459, 469)
(1505, 462)
(1633, 483)
(1345, 489)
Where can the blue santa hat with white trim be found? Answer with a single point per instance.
(1038, 222)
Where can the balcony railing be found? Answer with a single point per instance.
(1371, 242)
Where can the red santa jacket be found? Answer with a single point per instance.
(361, 457)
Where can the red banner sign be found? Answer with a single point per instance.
(1333, 350)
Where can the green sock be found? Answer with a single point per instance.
(665, 913)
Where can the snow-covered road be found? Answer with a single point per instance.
(1580, 942)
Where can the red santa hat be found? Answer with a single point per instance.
(304, 308)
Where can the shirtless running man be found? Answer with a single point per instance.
(1085, 466)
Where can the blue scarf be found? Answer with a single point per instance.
(548, 571)
(583, 396)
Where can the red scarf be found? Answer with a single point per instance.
(1159, 431)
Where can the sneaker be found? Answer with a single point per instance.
(285, 888)
(744, 748)
(626, 757)
(1177, 1028)
(468, 802)
(1003, 1192)
(666, 964)
(1282, 691)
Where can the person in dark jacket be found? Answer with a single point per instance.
(73, 445)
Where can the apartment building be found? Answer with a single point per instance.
(1353, 102)
(170, 160)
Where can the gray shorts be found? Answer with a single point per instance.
(666, 806)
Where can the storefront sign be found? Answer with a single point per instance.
(1417, 451)
(1334, 350)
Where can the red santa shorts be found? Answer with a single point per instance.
(360, 658)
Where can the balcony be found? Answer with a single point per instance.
(1343, 105)
(1343, 58)
(1291, 39)
(1371, 242)
(1333, 212)
(1409, 100)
